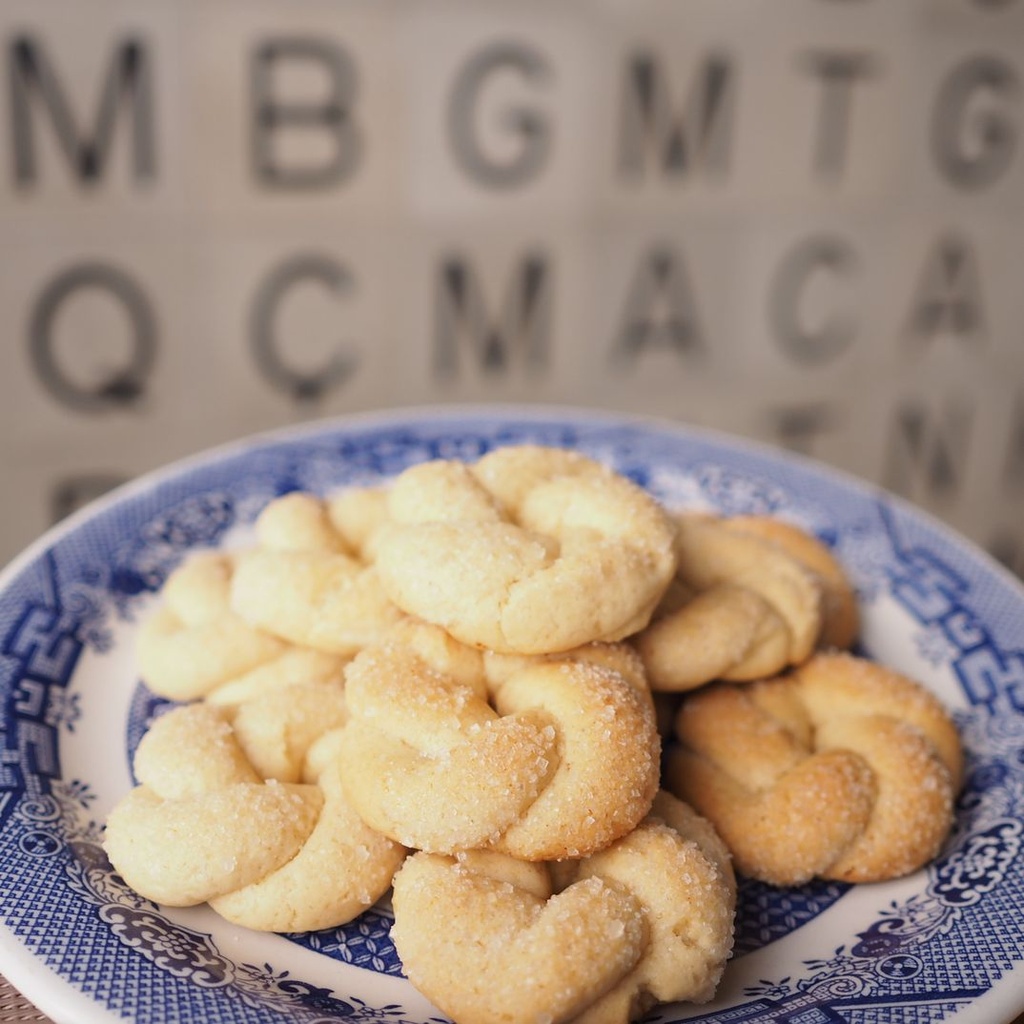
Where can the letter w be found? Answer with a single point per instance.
(679, 142)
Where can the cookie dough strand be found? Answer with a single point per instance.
(609, 758)
(710, 554)
(428, 762)
(531, 550)
(305, 583)
(840, 613)
(341, 869)
(527, 956)
(679, 870)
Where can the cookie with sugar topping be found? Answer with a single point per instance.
(529, 550)
(548, 758)
(842, 769)
(648, 919)
(204, 826)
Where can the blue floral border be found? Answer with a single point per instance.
(66, 598)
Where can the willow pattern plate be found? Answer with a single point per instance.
(944, 943)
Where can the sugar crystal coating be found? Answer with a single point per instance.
(459, 665)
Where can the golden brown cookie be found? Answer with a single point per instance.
(752, 595)
(530, 550)
(840, 612)
(842, 769)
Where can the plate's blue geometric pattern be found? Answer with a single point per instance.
(928, 955)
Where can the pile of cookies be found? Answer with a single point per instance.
(457, 688)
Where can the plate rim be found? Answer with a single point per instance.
(44, 994)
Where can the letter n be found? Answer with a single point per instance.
(928, 448)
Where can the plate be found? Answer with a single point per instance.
(946, 942)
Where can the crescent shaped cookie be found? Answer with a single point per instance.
(202, 825)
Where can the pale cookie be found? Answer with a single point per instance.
(294, 665)
(563, 763)
(194, 642)
(203, 826)
(530, 550)
(305, 583)
(276, 729)
(680, 871)
(755, 609)
(842, 769)
(649, 919)
(519, 954)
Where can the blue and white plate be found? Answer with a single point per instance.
(945, 943)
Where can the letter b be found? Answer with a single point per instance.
(329, 114)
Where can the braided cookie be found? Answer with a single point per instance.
(752, 596)
(565, 761)
(277, 729)
(648, 919)
(677, 867)
(203, 826)
(530, 550)
(842, 769)
(840, 614)
(307, 583)
(194, 643)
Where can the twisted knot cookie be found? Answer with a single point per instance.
(194, 643)
(203, 826)
(564, 762)
(842, 769)
(530, 550)
(285, 731)
(648, 919)
(307, 581)
(752, 595)
(194, 646)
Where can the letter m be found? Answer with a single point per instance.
(522, 329)
(128, 85)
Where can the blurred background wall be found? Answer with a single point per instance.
(794, 220)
